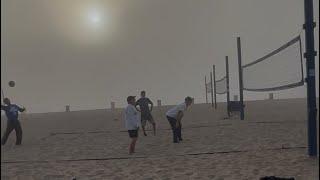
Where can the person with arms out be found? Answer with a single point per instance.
(174, 116)
(132, 122)
(146, 115)
(12, 113)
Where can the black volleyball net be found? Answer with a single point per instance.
(278, 70)
(221, 85)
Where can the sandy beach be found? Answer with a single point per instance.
(271, 141)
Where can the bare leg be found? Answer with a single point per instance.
(130, 148)
(132, 145)
(18, 130)
(144, 131)
(10, 127)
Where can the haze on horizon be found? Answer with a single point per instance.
(87, 53)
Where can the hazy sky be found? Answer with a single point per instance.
(86, 53)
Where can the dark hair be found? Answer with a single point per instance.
(130, 98)
(6, 99)
(142, 92)
(189, 99)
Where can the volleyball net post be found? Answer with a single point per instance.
(311, 82)
(214, 86)
(227, 79)
(205, 83)
(240, 78)
(211, 84)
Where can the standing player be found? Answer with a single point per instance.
(12, 113)
(143, 104)
(132, 122)
(174, 116)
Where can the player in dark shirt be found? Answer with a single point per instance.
(143, 104)
(12, 113)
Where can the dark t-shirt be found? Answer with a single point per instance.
(12, 111)
(144, 105)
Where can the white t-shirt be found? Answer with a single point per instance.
(173, 112)
(132, 118)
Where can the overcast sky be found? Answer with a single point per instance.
(86, 53)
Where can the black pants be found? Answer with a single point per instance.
(12, 125)
(176, 130)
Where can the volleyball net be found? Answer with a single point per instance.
(281, 69)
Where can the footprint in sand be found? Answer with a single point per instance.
(255, 171)
(189, 173)
(117, 178)
(148, 179)
(211, 176)
(220, 178)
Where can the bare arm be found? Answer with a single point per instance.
(179, 116)
(138, 109)
(136, 106)
(151, 103)
(21, 109)
(135, 113)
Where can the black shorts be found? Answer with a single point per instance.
(133, 133)
(146, 116)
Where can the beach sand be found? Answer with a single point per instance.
(271, 141)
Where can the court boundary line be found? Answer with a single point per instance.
(150, 157)
(168, 129)
(97, 132)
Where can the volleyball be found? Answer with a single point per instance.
(12, 83)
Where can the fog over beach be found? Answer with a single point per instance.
(87, 53)
(73, 70)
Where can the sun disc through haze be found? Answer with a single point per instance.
(95, 17)
(83, 23)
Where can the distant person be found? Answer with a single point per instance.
(132, 122)
(174, 116)
(146, 115)
(12, 113)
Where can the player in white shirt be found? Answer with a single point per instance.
(174, 116)
(132, 121)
